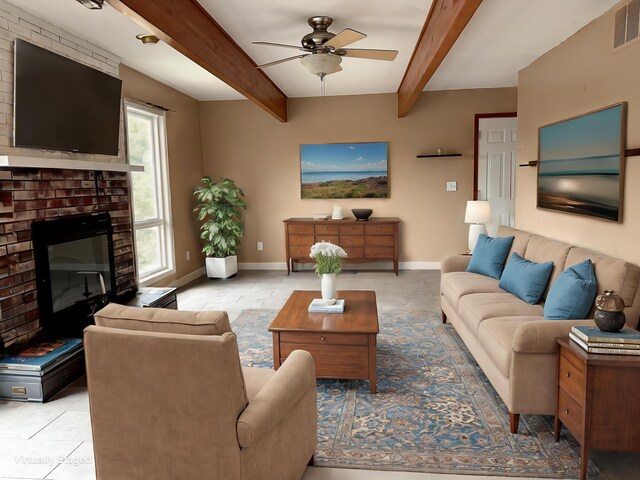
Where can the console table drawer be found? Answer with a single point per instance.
(331, 229)
(351, 241)
(378, 252)
(571, 380)
(324, 338)
(380, 240)
(378, 229)
(306, 240)
(571, 414)
(300, 228)
(300, 252)
(327, 238)
(354, 252)
(351, 229)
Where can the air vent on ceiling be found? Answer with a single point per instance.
(627, 24)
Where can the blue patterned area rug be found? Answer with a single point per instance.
(435, 411)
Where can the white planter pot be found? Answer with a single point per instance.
(329, 284)
(222, 267)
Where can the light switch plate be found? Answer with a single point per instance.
(452, 186)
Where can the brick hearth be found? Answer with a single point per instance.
(28, 195)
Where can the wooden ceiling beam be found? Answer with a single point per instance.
(188, 27)
(444, 24)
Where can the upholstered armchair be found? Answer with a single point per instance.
(170, 400)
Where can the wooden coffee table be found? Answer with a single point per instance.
(342, 345)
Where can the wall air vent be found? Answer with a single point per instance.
(627, 24)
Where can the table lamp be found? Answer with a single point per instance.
(477, 214)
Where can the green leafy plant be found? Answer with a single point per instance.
(220, 208)
(328, 257)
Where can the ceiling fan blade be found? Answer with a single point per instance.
(388, 55)
(281, 61)
(345, 37)
(279, 45)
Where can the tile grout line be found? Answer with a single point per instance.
(53, 420)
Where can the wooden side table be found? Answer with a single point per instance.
(598, 400)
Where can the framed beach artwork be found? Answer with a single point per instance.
(344, 170)
(581, 164)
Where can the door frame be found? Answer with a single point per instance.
(476, 127)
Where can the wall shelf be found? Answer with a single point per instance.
(435, 155)
(65, 163)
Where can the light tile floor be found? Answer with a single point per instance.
(53, 440)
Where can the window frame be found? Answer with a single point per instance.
(163, 219)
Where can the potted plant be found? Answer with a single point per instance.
(220, 209)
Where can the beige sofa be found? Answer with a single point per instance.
(509, 338)
(170, 400)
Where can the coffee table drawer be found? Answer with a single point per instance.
(324, 338)
(333, 361)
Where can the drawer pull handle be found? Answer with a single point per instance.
(566, 411)
(568, 374)
(322, 338)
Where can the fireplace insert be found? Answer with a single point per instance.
(75, 271)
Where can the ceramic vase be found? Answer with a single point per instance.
(609, 315)
(328, 282)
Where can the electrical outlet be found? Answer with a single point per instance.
(452, 186)
(260, 246)
(188, 255)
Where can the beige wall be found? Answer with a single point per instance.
(184, 145)
(580, 75)
(263, 156)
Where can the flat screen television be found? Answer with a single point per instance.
(60, 104)
(581, 164)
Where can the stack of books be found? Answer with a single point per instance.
(318, 306)
(594, 340)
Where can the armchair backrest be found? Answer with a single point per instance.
(164, 405)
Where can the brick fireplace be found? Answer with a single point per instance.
(41, 194)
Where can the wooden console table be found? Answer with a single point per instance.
(598, 400)
(364, 241)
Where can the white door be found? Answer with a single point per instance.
(497, 149)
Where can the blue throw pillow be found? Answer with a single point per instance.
(571, 295)
(489, 255)
(526, 280)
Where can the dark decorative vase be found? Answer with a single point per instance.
(609, 316)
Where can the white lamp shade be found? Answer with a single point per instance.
(322, 63)
(478, 211)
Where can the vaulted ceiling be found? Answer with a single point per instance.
(502, 37)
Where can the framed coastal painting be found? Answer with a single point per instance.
(581, 164)
(344, 170)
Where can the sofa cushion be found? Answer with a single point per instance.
(611, 273)
(454, 285)
(162, 320)
(496, 337)
(489, 255)
(543, 249)
(520, 239)
(526, 280)
(571, 296)
(475, 308)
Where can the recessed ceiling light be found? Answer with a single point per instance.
(92, 4)
(148, 39)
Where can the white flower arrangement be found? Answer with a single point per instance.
(328, 257)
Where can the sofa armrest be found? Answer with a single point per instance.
(539, 336)
(277, 398)
(454, 263)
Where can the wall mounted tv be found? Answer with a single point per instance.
(60, 104)
(581, 163)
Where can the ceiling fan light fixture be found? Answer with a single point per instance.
(148, 39)
(92, 4)
(321, 64)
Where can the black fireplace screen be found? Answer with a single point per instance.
(74, 271)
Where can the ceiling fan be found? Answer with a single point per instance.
(324, 50)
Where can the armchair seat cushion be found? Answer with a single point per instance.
(478, 307)
(455, 285)
(255, 379)
(162, 320)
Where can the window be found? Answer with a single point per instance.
(146, 135)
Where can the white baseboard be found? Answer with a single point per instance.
(365, 266)
(190, 277)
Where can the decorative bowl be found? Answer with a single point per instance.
(362, 214)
